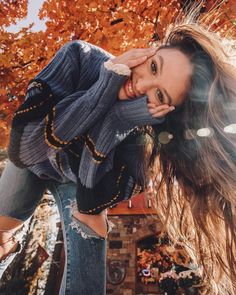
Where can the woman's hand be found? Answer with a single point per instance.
(159, 111)
(134, 57)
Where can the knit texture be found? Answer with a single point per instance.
(71, 122)
(119, 122)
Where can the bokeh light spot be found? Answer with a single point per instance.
(230, 129)
(204, 132)
(165, 137)
(190, 134)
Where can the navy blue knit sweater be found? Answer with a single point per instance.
(72, 127)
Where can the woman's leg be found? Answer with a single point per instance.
(85, 249)
(97, 222)
(20, 192)
(8, 226)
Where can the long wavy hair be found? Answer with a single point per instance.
(193, 158)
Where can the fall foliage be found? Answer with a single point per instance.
(115, 25)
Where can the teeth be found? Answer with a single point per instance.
(130, 88)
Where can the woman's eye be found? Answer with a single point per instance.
(160, 96)
(153, 67)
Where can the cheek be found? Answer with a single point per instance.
(152, 98)
(146, 86)
(139, 72)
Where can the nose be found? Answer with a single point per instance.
(146, 87)
(140, 87)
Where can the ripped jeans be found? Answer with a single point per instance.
(85, 251)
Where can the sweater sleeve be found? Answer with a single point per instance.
(125, 179)
(122, 118)
(78, 110)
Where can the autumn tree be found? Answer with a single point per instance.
(11, 11)
(115, 25)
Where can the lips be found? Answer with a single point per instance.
(129, 89)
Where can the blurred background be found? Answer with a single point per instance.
(31, 31)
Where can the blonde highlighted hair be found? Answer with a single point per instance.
(196, 195)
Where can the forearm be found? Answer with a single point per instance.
(66, 118)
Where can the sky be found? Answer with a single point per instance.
(32, 17)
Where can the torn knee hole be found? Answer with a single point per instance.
(83, 225)
(84, 230)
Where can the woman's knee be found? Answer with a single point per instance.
(20, 192)
(9, 223)
(12, 239)
(12, 228)
(91, 225)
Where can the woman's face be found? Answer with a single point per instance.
(164, 78)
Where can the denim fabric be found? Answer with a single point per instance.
(20, 192)
(85, 262)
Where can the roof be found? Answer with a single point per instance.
(139, 204)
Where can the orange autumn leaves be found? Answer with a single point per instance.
(115, 25)
(11, 10)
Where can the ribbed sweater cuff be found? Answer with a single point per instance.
(73, 119)
(120, 69)
(108, 85)
(135, 113)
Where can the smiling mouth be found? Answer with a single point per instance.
(129, 89)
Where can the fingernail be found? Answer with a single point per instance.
(172, 108)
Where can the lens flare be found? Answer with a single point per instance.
(230, 129)
(204, 132)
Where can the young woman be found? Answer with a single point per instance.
(82, 132)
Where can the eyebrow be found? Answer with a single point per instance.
(161, 59)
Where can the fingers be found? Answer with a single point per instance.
(159, 111)
(139, 56)
(135, 57)
(137, 61)
(135, 53)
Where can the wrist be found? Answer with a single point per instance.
(120, 69)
